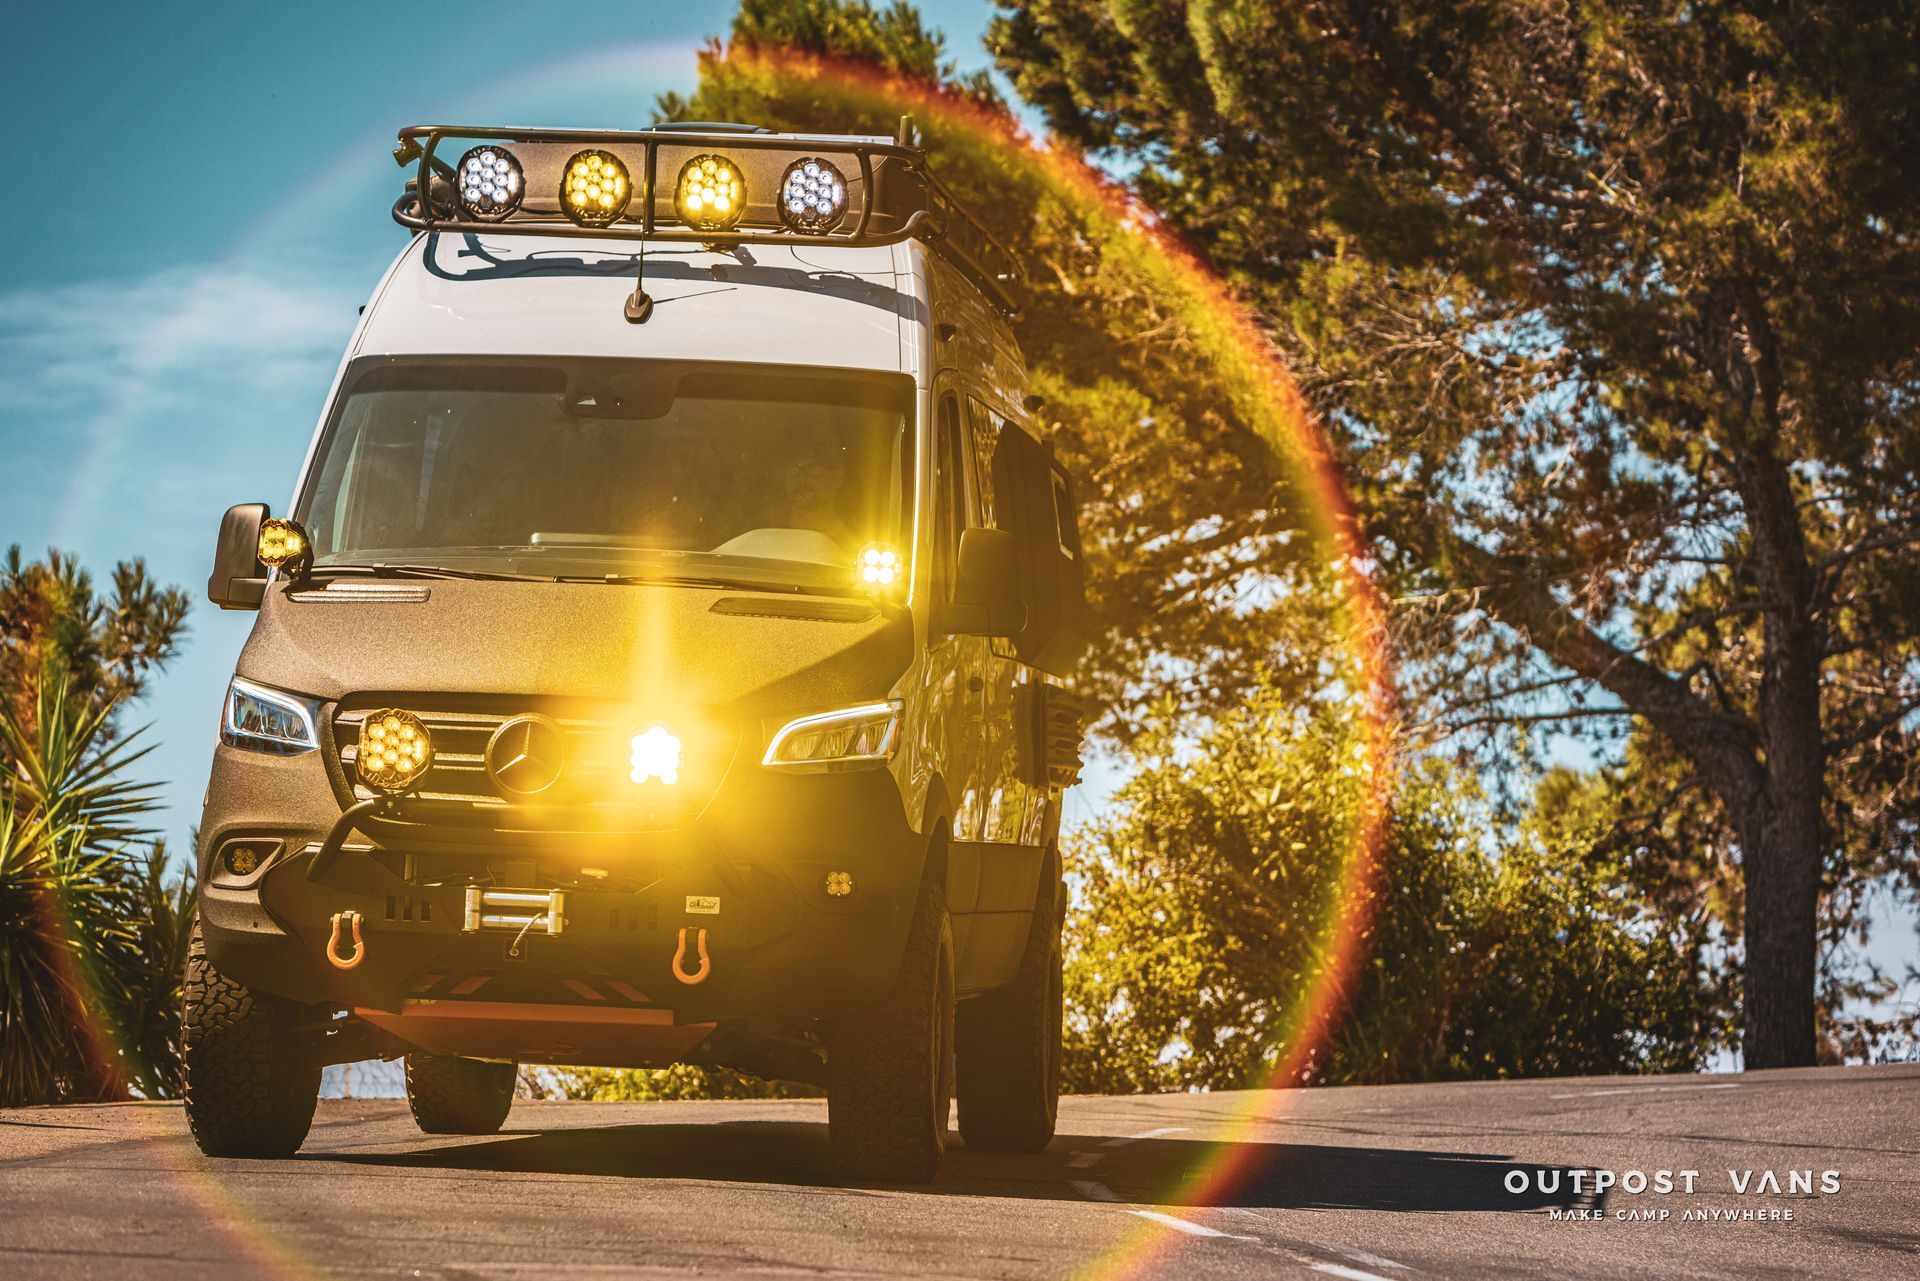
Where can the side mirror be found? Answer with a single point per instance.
(986, 587)
(239, 580)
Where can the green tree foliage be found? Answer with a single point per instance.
(1199, 575)
(646, 1085)
(54, 629)
(93, 927)
(93, 918)
(1202, 940)
(1610, 307)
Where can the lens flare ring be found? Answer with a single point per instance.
(1241, 349)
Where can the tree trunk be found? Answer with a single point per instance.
(1780, 846)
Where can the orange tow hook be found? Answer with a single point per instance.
(680, 958)
(359, 954)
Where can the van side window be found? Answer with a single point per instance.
(987, 426)
(949, 488)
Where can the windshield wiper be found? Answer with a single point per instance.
(386, 569)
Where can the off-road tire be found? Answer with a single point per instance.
(458, 1096)
(1007, 1043)
(890, 1072)
(250, 1083)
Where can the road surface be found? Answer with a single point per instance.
(1398, 1182)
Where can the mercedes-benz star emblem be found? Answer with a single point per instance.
(525, 755)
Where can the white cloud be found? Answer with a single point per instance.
(72, 350)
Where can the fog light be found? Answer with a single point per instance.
(242, 860)
(655, 754)
(839, 884)
(282, 542)
(394, 750)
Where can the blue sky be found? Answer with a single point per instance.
(164, 353)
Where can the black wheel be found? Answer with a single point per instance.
(250, 1083)
(458, 1096)
(890, 1072)
(1008, 1045)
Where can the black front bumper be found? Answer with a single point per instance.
(752, 872)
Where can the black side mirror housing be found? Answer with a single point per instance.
(986, 597)
(239, 580)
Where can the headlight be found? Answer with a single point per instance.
(848, 739)
(268, 720)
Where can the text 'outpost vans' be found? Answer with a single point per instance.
(661, 662)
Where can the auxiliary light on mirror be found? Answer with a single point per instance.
(283, 543)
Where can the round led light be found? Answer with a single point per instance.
(595, 190)
(813, 196)
(654, 754)
(711, 195)
(491, 184)
(878, 566)
(282, 542)
(394, 750)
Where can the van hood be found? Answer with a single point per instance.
(656, 644)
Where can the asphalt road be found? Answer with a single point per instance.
(1399, 1182)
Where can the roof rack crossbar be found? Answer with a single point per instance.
(941, 221)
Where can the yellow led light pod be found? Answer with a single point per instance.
(879, 567)
(595, 188)
(394, 750)
(282, 542)
(710, 195)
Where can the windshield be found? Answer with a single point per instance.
(595, 468)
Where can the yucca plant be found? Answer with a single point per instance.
(92, 931)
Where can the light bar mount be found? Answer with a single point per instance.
(919, 206)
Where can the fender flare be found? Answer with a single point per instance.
(936, 824)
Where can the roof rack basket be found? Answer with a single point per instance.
(892, 194)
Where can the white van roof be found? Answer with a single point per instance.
(454, 293)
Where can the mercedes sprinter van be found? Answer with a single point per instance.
(661, 660)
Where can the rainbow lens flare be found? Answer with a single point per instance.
(596, 188)
(710, 195)
(394, 749)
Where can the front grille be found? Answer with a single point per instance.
(593, 791)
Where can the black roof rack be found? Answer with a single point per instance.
(892, 194)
